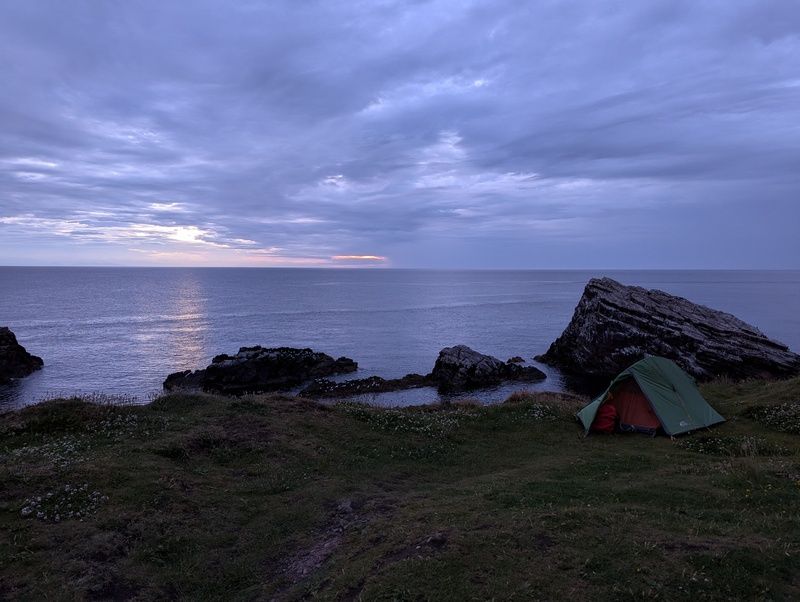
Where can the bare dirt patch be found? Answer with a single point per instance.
(348, 514)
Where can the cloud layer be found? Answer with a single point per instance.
(430, 133)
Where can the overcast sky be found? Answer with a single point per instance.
(547, 134)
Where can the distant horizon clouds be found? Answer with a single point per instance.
(435, 134)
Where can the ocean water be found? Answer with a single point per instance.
(120, 331)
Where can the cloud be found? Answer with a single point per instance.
(358, 258)
(440, 133)
(159, 243)
(174, 207)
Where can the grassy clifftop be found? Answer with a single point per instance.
(203, 497)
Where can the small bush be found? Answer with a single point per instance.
(55, 416)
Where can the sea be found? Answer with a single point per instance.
(116, 333)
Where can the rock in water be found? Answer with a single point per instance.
(15, 361)
(258, 369)
(186, 380)
(460, 368)
(373, 384)
(616, 325)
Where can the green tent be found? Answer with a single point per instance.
(654, 392)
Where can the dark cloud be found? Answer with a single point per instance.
(441, 133)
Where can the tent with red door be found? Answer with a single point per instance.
(652, 394)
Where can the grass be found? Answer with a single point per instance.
(272, 497)
(735, 445)
(782, 416)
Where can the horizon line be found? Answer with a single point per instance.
(432, 269)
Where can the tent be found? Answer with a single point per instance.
(653, 393)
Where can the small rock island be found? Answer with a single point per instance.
(260, 369)
(460, 368)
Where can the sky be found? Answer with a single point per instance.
(432, 134)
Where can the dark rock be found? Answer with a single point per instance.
(616, 325)
(259, 369)
(361, 386)
(460, 368)
(515, 360)
(186, 380)
(15, 361)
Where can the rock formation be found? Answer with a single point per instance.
(15, 361)
(259, 369)
(360, 386)
(615, 325)
(460, 368)
(186, 380)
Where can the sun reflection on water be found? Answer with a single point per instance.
(187, 338)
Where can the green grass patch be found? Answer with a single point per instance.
(272, 497)
(739, 446)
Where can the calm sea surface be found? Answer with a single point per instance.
(120, 331)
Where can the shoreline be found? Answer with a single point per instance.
(87, 342)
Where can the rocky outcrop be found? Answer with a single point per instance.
(15, 361)
(460, 368)
(260, 369)
(615, 325)
(361, 386)
(186, 380)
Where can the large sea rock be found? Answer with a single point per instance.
(615, 325)
(259, 369)
(15, 361)
(460, 368)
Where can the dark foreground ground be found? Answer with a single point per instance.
(200, 497)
